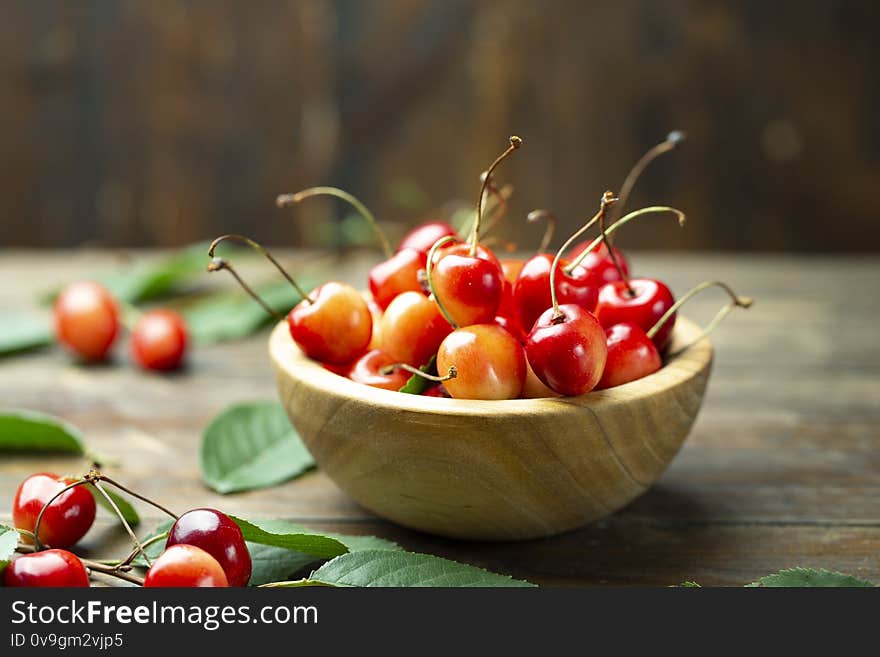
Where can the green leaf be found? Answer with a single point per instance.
(689, 585)
(154, 549)
(316, 545)
(230, 316)
(416, 384)
(8, 543)
(23, 331)
(30, 431)
(128, 511)
(397, 568)
(810, 577)
(148, 280)
(252, 445)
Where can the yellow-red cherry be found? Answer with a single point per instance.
(159, 340)
(65, 520)
(412, 329)
(567, 349)
(86, 320)
(186, 566)
(631, 355)
(470, 287)
(333, 325)
(218, 535)
(375, 369)
(400, 273)
(489, 361)
(641, 301)
(48, 568)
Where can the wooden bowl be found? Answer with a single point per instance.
(495, 470)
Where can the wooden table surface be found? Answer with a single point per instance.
(781, 469)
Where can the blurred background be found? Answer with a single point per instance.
(165, 122)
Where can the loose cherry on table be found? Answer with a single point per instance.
(377, 369)
(489, 361)
(187, 566)
(159, 340)
(86, 320)
(332, 324)
(65, 521)
(218, 535)
(466, 279)
(412, 329)
(48, 568)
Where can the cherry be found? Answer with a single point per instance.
(511, 268)
(631, 355)
(49, 568)
(159, 340)
(639, 301)
(566, 349)
(376, 368)
(489, 361)
(185, 565)
(376, 316)
(332, 324)
(422, 238)
(437, 391)
(219, 536)
(412, 329)
(533, 387)
(531, 293)
(600, 262)
(86, 320)
(65, 521)
(400, 273)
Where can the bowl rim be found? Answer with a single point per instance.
(685, 364)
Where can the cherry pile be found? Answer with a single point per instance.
(88, 319)
(551, 325)
(204, 547)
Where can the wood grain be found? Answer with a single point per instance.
(782, 466)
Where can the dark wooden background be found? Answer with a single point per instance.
(164, 122)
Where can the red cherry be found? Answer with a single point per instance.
(159, 340)
(599, 262)
(86, 320)
(490, 363)
(218, 535)
(422, 238)
(412, 329)
(568, 353)
(631, 355)
(469, 287)
(400, 273)
(184, 565)
(370, 368)
(65, 521)
(651, 299)
(437, 391)
(531, 293)
(335, 326)
(49, 568)
(511, 269)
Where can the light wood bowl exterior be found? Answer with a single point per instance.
(493, 470)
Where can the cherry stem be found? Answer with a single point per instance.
(37, 544)
(673, 140)
(614, 260)
(429, 275)
(499, 208)
(290, 199)
(451, 374)
(491, 206)
(607, 200)
(550, 218)
(515, 143)
(127, 490)
(218, 263)
(735, 302)
(133, 554)
(97, 484)
(654, 209)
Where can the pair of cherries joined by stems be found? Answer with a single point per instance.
(497, 329)
(87, 321)
(204, 547)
